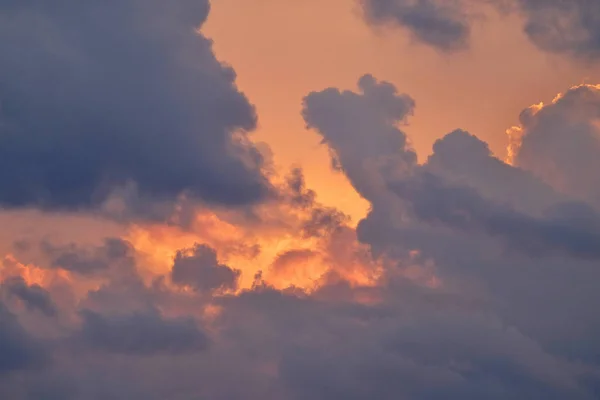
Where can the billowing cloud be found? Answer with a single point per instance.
(464, 209)
(461, 211)
(199, 268)
(19, 350)
(469, 278)
(141, 333)
(563, 27)
(88, 260)
(130, 112)
(443, 24)
(568, 28)
(359, 129)
(33, 296)
(560, 142)
(463, 159)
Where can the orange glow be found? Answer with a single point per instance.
(515, 134)
(157, 246)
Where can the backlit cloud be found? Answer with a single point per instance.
(225, 276)
(130, 111)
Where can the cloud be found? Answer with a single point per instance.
(568, 28)
(563, 27)
(199, 268)
(19, 350)
(560, 142)
(441, 24)
(131, 111)
(291, 258)
(473, 278)
(89, 260)
(33, 296)
(141, 333)
(359, 129)
(461, 158)
(464, 209)
(482, 208)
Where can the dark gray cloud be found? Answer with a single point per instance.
(494, 324)
(18, 349)
(563, 27)
(569, 28)
(463, 230)
(443, 24)
(463, 159)
(33, 296)
(301, 196)
(141, 333)
(323, 221)
(89, 260)
(464, 209)
(200, 269)
(410, 347)
(122, 101)
(359, 129)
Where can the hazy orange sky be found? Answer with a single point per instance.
(282, 50)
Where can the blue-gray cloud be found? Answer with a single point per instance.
(200, 269)
(442, 24)
(574, 230)
(89, 260)
(33, 296)
(569, 28)
(97, 99)
(563, 27)
(360, 130)
(18, 349)
(142, 333)
(559, 142)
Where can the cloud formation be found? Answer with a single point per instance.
(469, 278)
(33, 296)
(199, 268)
(130, 112)
(563, 27)
(568, 28)
(141, 333)
(19, 350)
(441, 24)
(560, 142)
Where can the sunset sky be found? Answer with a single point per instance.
(291, 200)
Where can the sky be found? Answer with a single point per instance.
(341, 199)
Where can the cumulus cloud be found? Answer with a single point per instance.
(141, 333)
(19, 350)
(131, 109)
(568, 28)
(346, 120)
(463, 208)
(563, 27)
(461, 158)
(441, 24)
(88, 260)
(460, 211)
(469, 277)
(33, 296)
(560, 142)
(199, 268)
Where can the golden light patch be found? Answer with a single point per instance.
(515, 135)
(157, 246)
